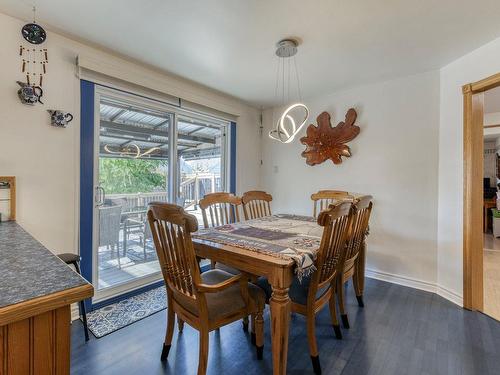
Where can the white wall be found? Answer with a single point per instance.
(472, 67)
(492, 118)
(45, 159)
(395, 159)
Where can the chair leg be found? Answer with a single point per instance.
(252, 329)
(333, 315)
(341, 294)
(84, 320)
(180, 324)
(313, 347)
(117, 254)
(259, 334)
(359, 275)
(83, 312)
(357, 290)
(245, 324)
(203, 359)
(170, 332)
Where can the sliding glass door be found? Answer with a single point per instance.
(146, 151)
(132, 169)
(202, 168)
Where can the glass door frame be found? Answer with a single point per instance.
(173, 181)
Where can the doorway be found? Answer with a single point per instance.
(477, 209)
(491, 203)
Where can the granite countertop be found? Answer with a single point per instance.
(28, 270)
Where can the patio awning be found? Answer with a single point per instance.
(127, 131)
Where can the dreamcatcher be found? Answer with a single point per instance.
(34, 59)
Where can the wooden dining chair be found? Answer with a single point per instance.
(256, 204)
(205, 301)
(314, 292)
(323, 198)
(355, 258)
(220, 209)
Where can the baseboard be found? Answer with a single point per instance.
(450, 295)
(416, 284)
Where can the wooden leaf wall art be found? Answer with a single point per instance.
(325, 142)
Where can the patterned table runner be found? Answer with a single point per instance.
(284, 236)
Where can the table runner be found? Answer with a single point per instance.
(284, 236)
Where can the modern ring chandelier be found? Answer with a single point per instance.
(295, 115)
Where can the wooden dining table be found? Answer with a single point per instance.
(279, 270)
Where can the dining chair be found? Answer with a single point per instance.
(109, 228)
(220, 208)
(311, 294)
(256, 204)
(354, 260)
(205, 301)
(323, 198)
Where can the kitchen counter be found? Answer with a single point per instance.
(36, 291)
(28, 270)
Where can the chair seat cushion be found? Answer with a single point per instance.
(69, 258)
(225, 302)
(223, 267)
(298, 291)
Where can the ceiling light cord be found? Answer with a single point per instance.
(298, 80)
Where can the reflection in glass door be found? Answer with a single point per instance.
(132, 170)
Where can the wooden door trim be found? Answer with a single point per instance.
(473, 102)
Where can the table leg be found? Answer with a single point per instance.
(280, 322)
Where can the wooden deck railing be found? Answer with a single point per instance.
(192, 189)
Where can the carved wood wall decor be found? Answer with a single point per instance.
(325, 142)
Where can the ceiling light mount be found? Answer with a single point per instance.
(286, 48)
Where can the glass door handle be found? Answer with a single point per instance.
(100, 194)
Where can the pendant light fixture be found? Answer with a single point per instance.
(295, 116)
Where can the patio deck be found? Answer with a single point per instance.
(134, 264)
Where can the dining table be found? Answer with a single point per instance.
(279, 247)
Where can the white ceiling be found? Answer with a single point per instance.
(229, 44)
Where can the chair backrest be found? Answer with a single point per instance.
(323, 198)
(337, 221)
(256, 204)
(172, 227)
(109, 225)
(361, 217)
(223, 208)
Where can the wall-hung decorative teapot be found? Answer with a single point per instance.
(59, 118)
(29, 94)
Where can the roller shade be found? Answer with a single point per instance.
(127, 76)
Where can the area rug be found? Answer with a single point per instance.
(111, 318)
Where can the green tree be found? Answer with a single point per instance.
(132, 175)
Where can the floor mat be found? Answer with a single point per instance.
(111, 318)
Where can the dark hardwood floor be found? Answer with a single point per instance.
(400, 331)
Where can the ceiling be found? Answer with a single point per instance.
(229, 45)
